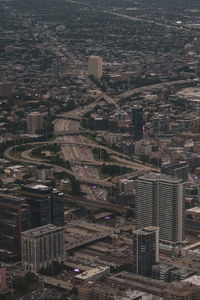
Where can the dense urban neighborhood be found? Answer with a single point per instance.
(100, 150)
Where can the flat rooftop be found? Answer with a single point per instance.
(160, 177)
(92, 272)
(195, 279)
(146, 230)
(195, 209)
(38, 231)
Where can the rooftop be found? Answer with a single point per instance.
(92, 272)
(195, 209)
(160, 177)
(38, 231)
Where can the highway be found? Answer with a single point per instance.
(138, 19)
(98, 204)
(56, 282)
(28, 160)
(85, 241)
(158, 86)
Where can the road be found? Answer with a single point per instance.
(97, 204)
(29, 160)
(56, 282)
(137, 19)
(158, 86)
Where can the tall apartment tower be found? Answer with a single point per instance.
(14, 218)
(137, 121)
(35, 122)
(42, 246)
(46, 203)
(95, 66)
(160, 202)
(145, 250)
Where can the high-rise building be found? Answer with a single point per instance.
(14, 218)
(137, 121)
(3, 284)
(159, 125)
(35, 122)
(6, 89)
(160, 202)
(145, 250)
(55, 68)
(176, 169)
(47, 204)
(95, 66)
(42, 246)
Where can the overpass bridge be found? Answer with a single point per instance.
(97, 237)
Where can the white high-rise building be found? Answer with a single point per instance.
(95, 66)
(160, 202)
(42, 246)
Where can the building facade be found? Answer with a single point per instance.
(35, 122)
(145, 250)
(182, 291)
(14, 218)
(42, 246)
(160, 202)
(95, 66)
(176, 169)
(3, 284)
(137, 121)
(47, 204)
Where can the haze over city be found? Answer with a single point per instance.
(99, 150)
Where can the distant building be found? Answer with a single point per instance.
(169, 272)
(143, 147)
(14, 218)
(3, 284)
(92, 274)
(55, 67)
(41, 247)
(160, 202)
(176, 169)
(95, 66)
(137, 121)
(95, 291)
(159, 125)
(182, 291)
(145, 250)
(35, 122)
(47, 204)
(6, 89)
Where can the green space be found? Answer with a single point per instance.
(53, 158)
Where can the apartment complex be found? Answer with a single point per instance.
(47, 204)
(35, 122)
(145, 250)
(95, 66)
(42, 246)
(160, 202)
(14, 218)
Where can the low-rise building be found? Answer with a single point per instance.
(92, 274)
